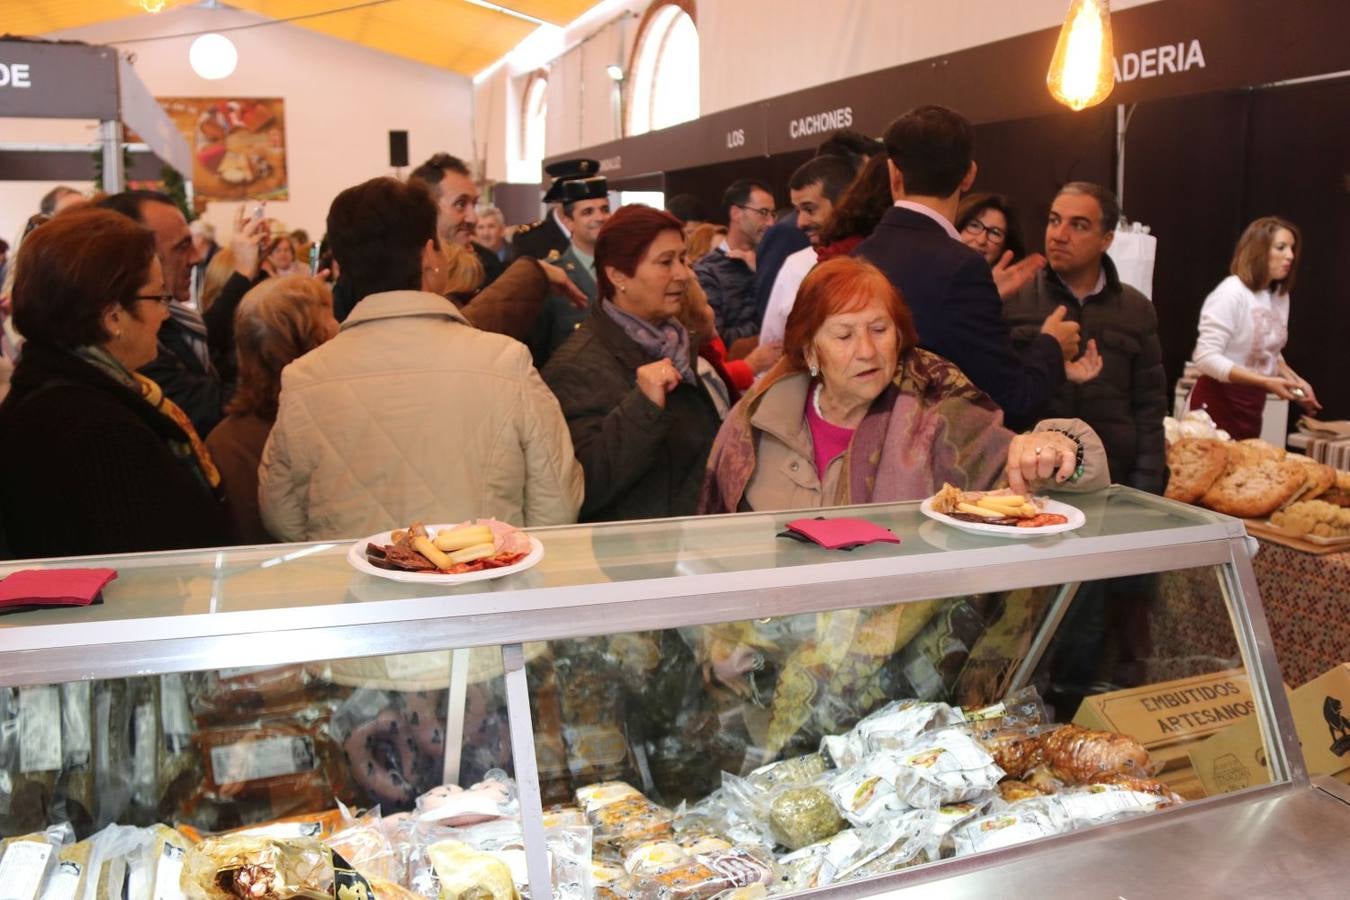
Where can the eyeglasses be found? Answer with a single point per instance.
(976, 227)
(162, 299)
(761, 211)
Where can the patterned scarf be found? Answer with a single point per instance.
(192, 322)
(191, 452)
(930, 426)
(669, 340)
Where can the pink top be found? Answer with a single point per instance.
(827, 439)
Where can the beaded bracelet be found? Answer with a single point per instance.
(1078, 455)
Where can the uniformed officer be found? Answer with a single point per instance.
(584, 209)
(551, 233)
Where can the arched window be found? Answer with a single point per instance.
(664, 73)
(534, 119)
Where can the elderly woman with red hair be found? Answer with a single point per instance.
(856, 412)
(641, 404)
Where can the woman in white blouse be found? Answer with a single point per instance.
(1244, 326)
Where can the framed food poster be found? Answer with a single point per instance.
(238, 146)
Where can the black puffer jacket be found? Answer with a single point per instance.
(730, 286)
(641, 461)
(1126, 403)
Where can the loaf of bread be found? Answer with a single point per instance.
(1195, 464)
(1254, 491)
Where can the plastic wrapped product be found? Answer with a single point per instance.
(948, 818)
(654, 857)
(1098, 803)
(706, 876)
(271, 768)
(946, 767)
(802, 816)
(492, 798)
(67, 878)
(164, 855)
(391, 890)
(895, 726)
(25, 862)
(895, 843)
(106, 861)
(1015, 750)
(240, 695)
(753, 892)
(1077, 754)
(626, 823)
(866, 792)
(253, 868)
(1012, 791)
(563, 816)
(796, 771)
(593, 796)
(612, 882)
(819, 864)
(467, 874)
(1025, 821)
(368, 850)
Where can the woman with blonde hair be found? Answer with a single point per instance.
(278, 321)
(702, 239)
(1244, 326)
(215, 276)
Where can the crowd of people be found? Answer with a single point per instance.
(887, 334)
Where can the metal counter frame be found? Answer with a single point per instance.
(700, 587)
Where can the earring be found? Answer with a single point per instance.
(815, 370)
(623, 288)
(117, 333)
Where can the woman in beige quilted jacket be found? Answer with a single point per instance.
(410, 413)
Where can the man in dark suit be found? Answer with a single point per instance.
(947, 285)
(548, 238)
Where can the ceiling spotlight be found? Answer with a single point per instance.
(213, 56)
(153, 6)
(614, 71)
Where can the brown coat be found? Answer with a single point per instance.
(236, 447)
(511, 304)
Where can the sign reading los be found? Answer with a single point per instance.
(15, 75)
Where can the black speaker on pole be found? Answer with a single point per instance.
(398, 149)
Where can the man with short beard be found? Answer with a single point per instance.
(456, 196)
(813, 188)
(727, 274)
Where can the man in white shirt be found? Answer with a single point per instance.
(813, 188)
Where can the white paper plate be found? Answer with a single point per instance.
(1072, 513)
(356, 556)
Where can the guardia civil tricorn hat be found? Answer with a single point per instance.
(575, 180)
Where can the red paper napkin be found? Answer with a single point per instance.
(53, 587)
(842, 534)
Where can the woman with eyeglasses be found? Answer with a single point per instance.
(988, 225)
(95, 458)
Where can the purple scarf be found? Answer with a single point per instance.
(928, 427)
(669, 340)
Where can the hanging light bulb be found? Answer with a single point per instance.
(213, 56)
(153, 6)
(1082, 72)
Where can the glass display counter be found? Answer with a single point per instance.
(761, 714)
